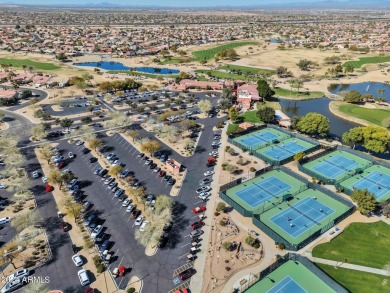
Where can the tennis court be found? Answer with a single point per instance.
(302, 216)
(265, 190)
(306, 213)
(291, 277)
(285, 149)
(337, 165)
(257, 193)
(258, 139)
(375, 179)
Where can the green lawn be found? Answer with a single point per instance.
(150, 75)
(231, 128)
(175, 60)
(380, 117)
(294, 95)
(209, 54)
(250, 116)
(224, 75)
(246, 69)
(34, 64)
(367, 60)
(357, 281)
(274, 105)
(366, 244)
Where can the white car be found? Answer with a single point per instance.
(126, 202)
(139, 220)
(203, 189)
(5, 220)
(130, 208)
(2, 186)
(77, 260)
(65, 131)
(12, 286)
(70, 155)
(35, 174)
(19, 274)
(79, 142)
(208, 173)
(204, 195)
(143, 226)
(44, 179)
(96, 231)
(83, 277)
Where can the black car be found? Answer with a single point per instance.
(167, 177)
(171, 181)
(92, 160)
(85, 151)
(152, 165)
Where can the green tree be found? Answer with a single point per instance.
(221, 206)
(115, 170)
(233, 114)
(304, 64)
(264, 89)
(266, 114)
(365, 201)
(66, 123)
(373, 138)
(150, 147)
(86, 120)
(38, 131)
(353, 97)
(205, 106)
(133, 134)
(348, 68)
(314, 124)
(299, 156)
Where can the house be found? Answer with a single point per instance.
(8, 96)
(247, 93)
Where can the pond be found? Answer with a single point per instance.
(338, 126)
(107, 65)
(363, 88)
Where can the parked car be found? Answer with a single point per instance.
(130, 208)
(124, 173)
(208, 173)
(70, 155)
(203, 189)
(77, 260)
(196, 233)
(162, 173)
(97, 171)
(19, 274)
(35, 174)
(187, 274)
(5, 220)
(96, 231)
(85, 151)
(205, 181)
(143, 226)
(134, 214)
(126, 202)
(44, 179)
(83, 277)
(79, 142)
(199, 209)
(139, 220)
(12, 286)
(197, 225)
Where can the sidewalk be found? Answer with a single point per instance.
(346, 265)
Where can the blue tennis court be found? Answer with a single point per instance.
(287, 285)
(255, 194)
(375, 182)
(333, 167)
(284, 150)
(257, 138)
(301, 216)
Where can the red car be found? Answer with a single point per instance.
(198, 210)
(197, 225)
(49, 188)
(162, 173)
(65, 226)
(60, 165)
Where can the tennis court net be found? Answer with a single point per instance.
(303, 214)
(341, 167)
(262, 188)
(387, 187)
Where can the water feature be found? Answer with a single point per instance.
(338, 126)
(363, 88)
(109, 65)
(300, 108)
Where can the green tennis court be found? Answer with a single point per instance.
(376, 179)
(337, 165)
(291, 277)
(297, 219)
(265, 191)
(285, 149)
(258, 139)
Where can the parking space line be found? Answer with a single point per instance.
(185, 245)
(182, 256)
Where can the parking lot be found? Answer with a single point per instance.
(157, 269)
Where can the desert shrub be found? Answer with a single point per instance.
(221, 206)
(252, 169)
(227, 245)
(281, 246)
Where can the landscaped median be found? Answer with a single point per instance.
(364, 115)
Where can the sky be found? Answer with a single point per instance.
(175, 3)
